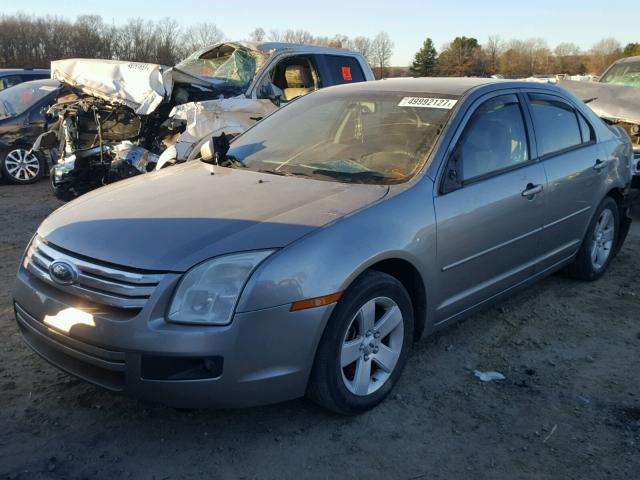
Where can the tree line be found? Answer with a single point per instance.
(32, 41)
(465, 56)
(28, 41)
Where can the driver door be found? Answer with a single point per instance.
(490, 209)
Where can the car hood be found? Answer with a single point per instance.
(172, 219)
(140, 86)
(614, 102)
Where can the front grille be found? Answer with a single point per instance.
(106, 285)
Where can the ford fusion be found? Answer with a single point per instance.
(325, 241)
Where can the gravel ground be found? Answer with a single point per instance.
(569, 408)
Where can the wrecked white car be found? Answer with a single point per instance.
(126, 118)
(615, 97)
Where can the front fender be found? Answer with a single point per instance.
(328, 260)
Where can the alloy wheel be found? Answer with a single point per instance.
(22, 165)
(371, 346)
(603, 237)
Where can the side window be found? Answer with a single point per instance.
(588, 135)
(556, 123)
(494, 139)
(343, 69)
(295, 76)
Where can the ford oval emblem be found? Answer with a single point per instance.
(63, 273)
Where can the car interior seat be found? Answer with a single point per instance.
(486, 148)
(298, 81)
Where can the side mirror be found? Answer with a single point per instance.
(452, 179)
(215, 150)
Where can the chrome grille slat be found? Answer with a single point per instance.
(104, 285)
(127, 276)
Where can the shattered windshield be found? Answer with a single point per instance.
(229, 67)
(626, 73)
(17, 99)
(345, 136)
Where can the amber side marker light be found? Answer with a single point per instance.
(315, 302)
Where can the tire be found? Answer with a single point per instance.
(21, 167)
(600, 240)
(337, 387)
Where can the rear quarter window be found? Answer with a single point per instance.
(342, 69)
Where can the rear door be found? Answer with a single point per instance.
(490, 208)
(575, 169)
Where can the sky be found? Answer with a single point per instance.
(408, 22)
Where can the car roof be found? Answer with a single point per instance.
(442, 85)
(455, 86)
(295, 47)
(24, 71)
(628, 60)
(267, 46)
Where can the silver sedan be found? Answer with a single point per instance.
(324, 242)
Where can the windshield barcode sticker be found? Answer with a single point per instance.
(426, 102)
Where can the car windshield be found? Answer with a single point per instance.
(626, 73)
(17, 99)
(346, 136)
(229, 67)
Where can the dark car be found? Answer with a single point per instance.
(14, 76)
(23, 117)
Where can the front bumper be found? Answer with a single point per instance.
(262, 357)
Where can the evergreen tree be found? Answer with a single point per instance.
(425, 60)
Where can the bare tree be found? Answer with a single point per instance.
(275, 36)
(493, 50)
(199, 36)
(603, 53)
(362, 45)
(257, 35)
(381, 51)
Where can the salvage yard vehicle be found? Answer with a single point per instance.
(615, 97)
(15, 76)
(310, 262)
(130, 118)
(23, 117)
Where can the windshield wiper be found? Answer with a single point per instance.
(283, 173)
(350, 176)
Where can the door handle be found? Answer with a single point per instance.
(600, 164)
(531, 190)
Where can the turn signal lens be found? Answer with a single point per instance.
(315, 302)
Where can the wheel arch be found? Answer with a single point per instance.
(409, 276)
(624, 220)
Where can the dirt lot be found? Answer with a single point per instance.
(569, 409)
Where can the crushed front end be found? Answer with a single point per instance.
(100, 143)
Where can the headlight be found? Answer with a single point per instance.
(208, 293)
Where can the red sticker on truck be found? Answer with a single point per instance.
(346, 73)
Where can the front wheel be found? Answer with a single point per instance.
(599, 245)
(364, 347)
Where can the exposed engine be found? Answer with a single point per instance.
(100, 143)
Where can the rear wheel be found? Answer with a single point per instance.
(19, 166)
(364, 347)
(599, 245)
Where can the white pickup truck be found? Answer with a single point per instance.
(127, 118)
